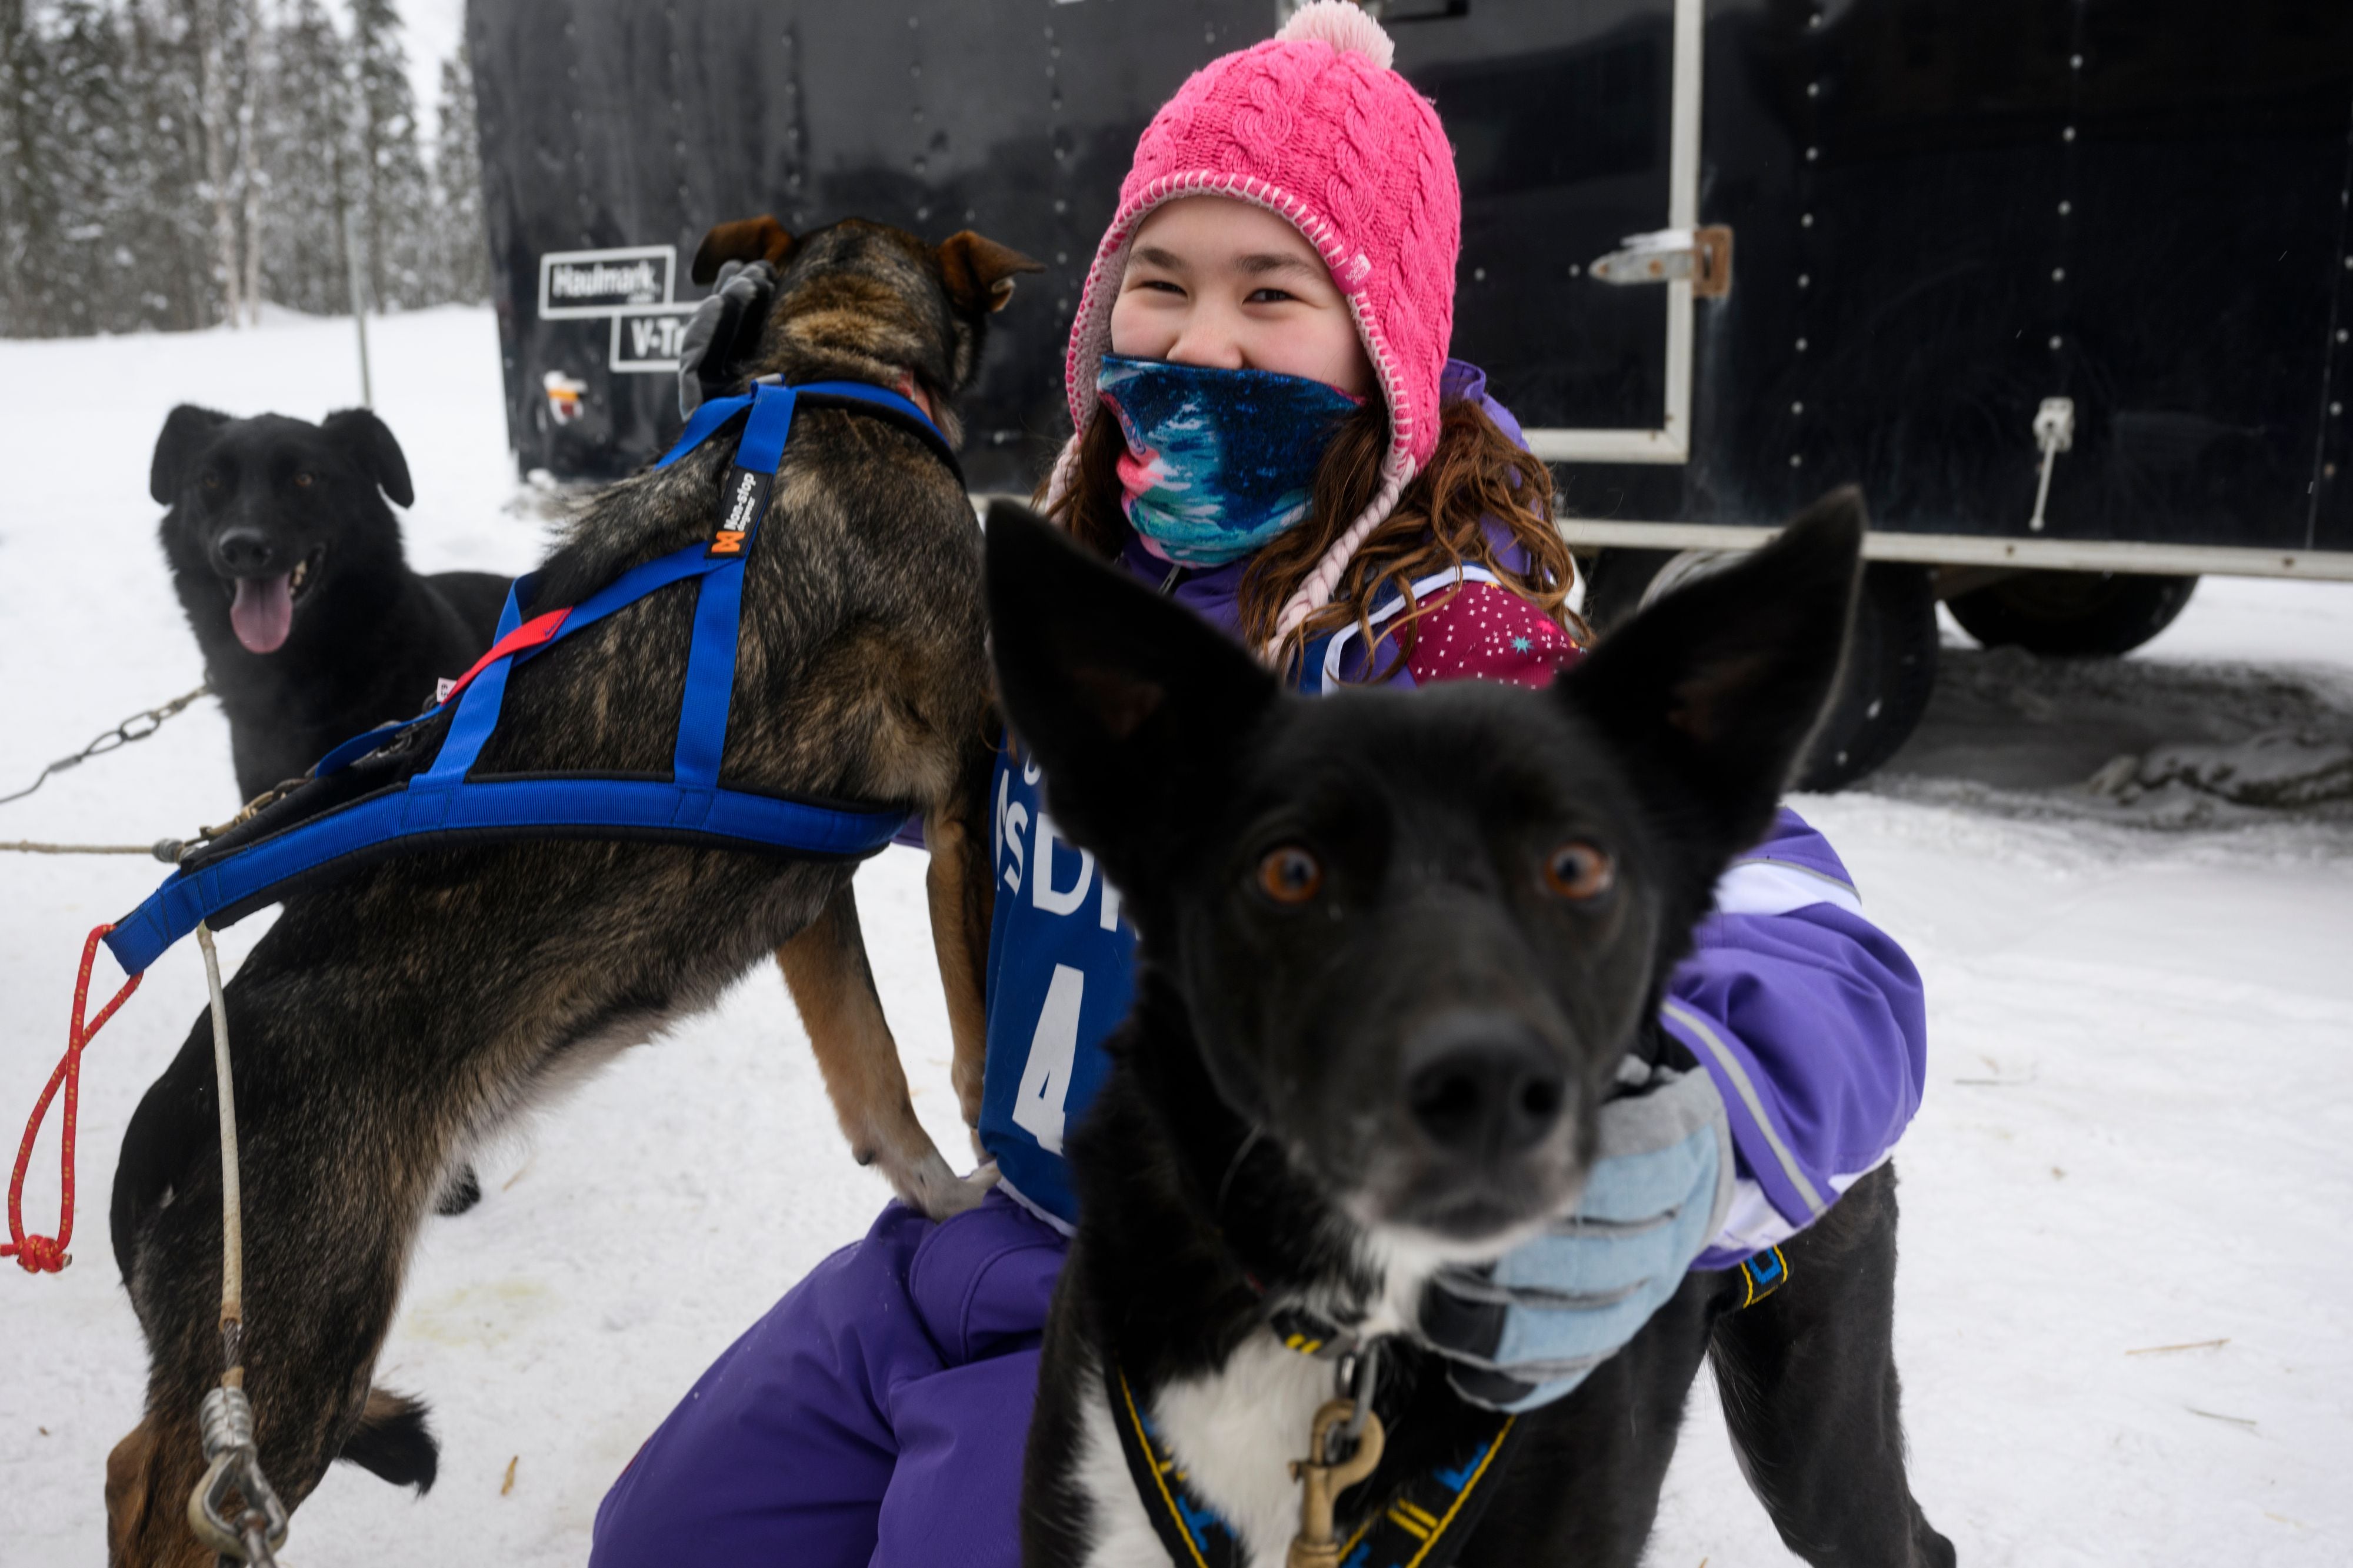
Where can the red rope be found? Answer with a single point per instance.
(43, 1254)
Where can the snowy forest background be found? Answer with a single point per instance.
(172, 163)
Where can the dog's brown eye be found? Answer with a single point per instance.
(1578, 871)
(212, 482)
(302, 481)
(1290, 875)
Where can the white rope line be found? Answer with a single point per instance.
(29, 846)
(232, 1452)
(232, 1197)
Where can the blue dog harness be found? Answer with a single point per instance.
(334, 823)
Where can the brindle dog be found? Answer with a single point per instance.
(390, 1019)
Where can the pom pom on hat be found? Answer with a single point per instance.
(1342, 25)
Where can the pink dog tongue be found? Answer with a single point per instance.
(263, 613)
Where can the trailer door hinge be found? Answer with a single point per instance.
(2055, 432)
(1700, 256)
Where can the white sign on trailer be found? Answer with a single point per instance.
(647, 341)
(583, 283)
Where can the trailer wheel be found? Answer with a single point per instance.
(1615, 582)
(2072, 613)
(1889, 672)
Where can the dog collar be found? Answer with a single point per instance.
(1424, 1523)
(1761, 1275)
(860, 397)
(1313, 1334)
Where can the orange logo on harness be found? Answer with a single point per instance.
(728, 542)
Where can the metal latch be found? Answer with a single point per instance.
(1702, 256)
(2055, 432)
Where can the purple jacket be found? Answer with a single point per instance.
(1811, 1022)
(877, 1415)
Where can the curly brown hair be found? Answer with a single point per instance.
(1476, 475)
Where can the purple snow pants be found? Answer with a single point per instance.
(876, 1415)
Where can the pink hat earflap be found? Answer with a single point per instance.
(1317, 590)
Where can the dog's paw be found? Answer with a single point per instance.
(463, 1191)
(965, 1193)
(941, 1194)
(393, 1442)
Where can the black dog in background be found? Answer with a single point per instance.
(289, 566)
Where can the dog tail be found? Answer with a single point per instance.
(393, 1442)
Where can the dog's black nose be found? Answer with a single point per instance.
(1482, 1085)
(244, 551)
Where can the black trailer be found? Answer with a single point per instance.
(2064, 284)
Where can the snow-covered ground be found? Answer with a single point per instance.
(2136, 1135)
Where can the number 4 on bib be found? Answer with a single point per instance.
(1046, 1079)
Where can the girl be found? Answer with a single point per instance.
(1268, 429)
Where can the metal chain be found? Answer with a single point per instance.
(138, 727)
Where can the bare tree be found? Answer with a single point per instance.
(16, 284)
(248, 173)
(390, 183)
(462, 251)
(216, 176)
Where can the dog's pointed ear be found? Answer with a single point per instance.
(978, 271)
(1715, 689)
(759, 238)
(1135, 707)
(370, 444)
(186, 429)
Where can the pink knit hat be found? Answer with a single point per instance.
(1312, 125)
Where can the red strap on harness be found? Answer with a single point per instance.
(530, 634)
(43, 1254)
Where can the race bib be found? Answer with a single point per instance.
(1061, 962)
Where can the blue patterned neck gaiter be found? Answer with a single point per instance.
(1217, 462)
